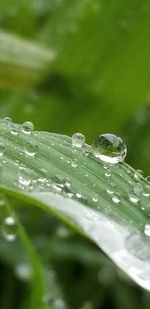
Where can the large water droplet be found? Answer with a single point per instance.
(27, 127)
(31, 149)
(9, 229)
(78, 140)
(109, 148)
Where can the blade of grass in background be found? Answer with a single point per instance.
(22, 63)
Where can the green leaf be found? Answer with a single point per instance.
(109, 204)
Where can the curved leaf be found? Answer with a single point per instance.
(107, 203)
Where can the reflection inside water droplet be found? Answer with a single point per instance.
(109, 148)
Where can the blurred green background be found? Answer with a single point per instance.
(74, 66)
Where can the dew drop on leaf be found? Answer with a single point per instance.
(27, 127)
(148, 178)
(136, 245)
(138, 174)
(109, 148)
(138, 189)
(146, 191)
(7, 120)
(14, 129)
(31, 149)
(2, 149)
(147, 230)
(78, 140)
(116, 199)
(74, 163)
(9, 229)
(133, 199)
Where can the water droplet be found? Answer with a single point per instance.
(109, 148)
(95, 199)
(134, 199)
(9, 229)
(31, 149)
(116, 199)
(138, 189)
(110, 191)
(74, 163)
(108, 173)
(137, 245)
(2, 149)
(146, 191)
(138, 174)
(147, 230)
(24, 180)
(78, 140)
(44, 176)
(27, 127)
(7, 120)
(148, 178)
(78, 195)
(14, 129)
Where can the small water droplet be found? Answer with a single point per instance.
(78, 140)
(9, 229)
(110, 191)
(138, 189)
(24, 179)
(148, 178)
(95, 199)
(78, 195)
(7, 120)
(108, 173)
(147, 230)
(146, 191)
(74, 163)
(109, 148)
(116, 199)
(2, 149)
(138, 174)
(134, 199)
(31, 149)
(14, 129)
(27, 127)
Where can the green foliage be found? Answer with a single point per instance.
(72, 66)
